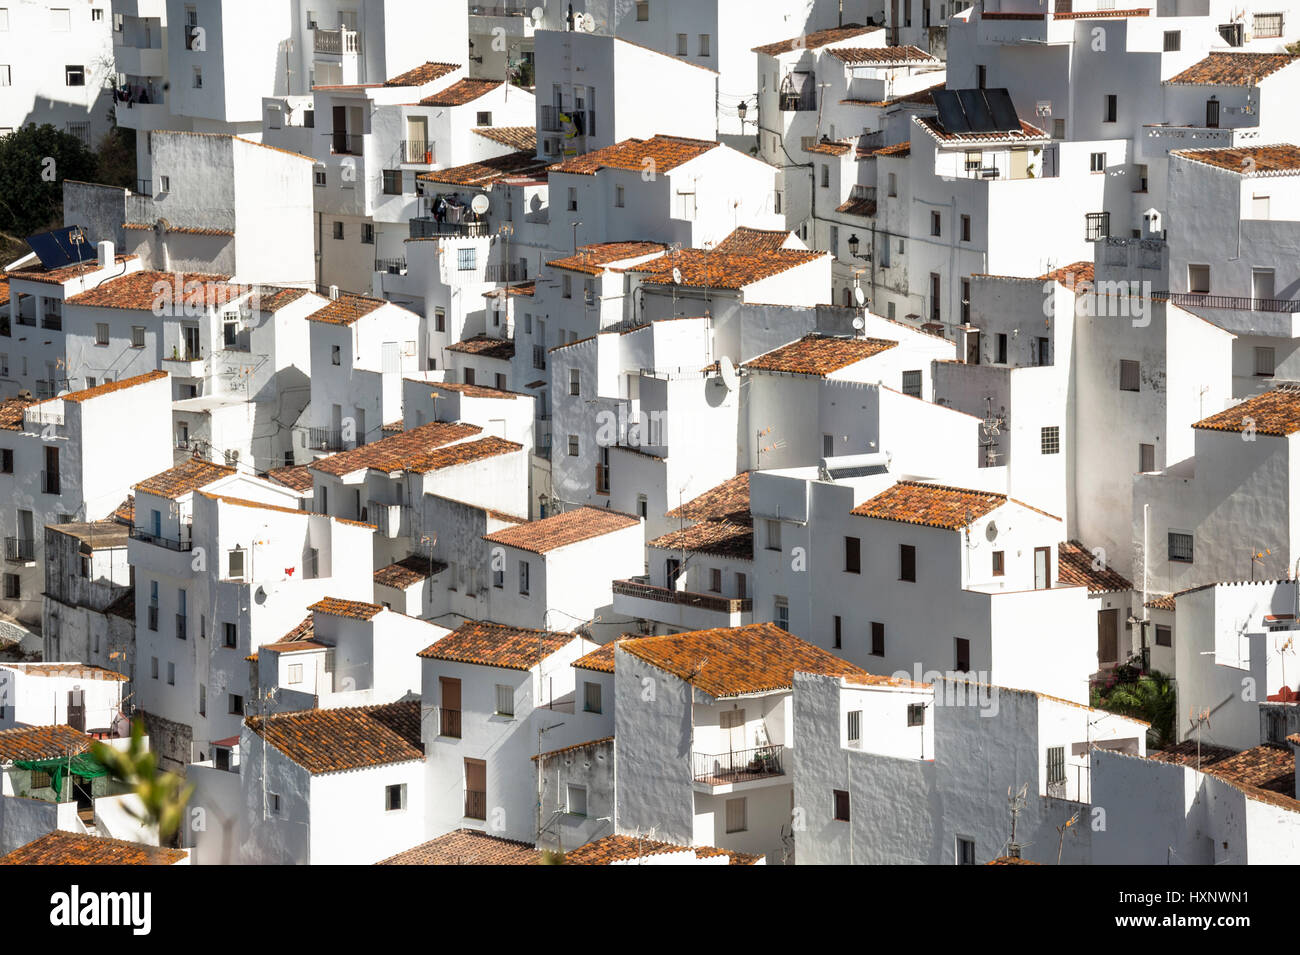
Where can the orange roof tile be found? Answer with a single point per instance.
(487, 171)
(572, 749)
(337, 607)
(1231, 68)
(178, 229)
(330, 741)
(108, 388)
(561, 530)
(726, 501)
(64, 273)
(495, 645)
(11, 412)
(732, 661)
(898, 149)
(346, 309)
(296, 477)
(710, 268)
(1280, 159)
(1162, 602)
(1072, 276)
(881, 55)
(74, 848)
(41, 742)
(408, 571)
(1275, 413)
(81, 671)
(661, 153)
(934, 505)
(424, 73)
(720, 538)
(814, 40)
(592, 259)
(461, 92)
(1074, 566)
(826, 147)
(176, 482)
(467, 847)
(746, 241)
(522, 138)
(818, 354)
(622, 849)
(472, 391)
(408, 451)
(485, 346)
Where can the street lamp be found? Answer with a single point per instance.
(742, 109)
(854, 244)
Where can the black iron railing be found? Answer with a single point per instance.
(738, 766)
(1200, 300)
(140, 534)
(20, 549)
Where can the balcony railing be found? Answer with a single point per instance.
(582, 122)
(325, 439)
(20, 550)
(449, 723)
(391, 266)
(427, 227)
(49, 387)
(738, 766)
(337, 41)
(52, 320)
(137, 533)
(50, 483)
(728, 605)
(475, 804)
(506, 272)
(418, 151)
(347, 144)
(1200, 300)
(499, 10)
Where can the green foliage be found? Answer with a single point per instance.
(115, 158)
(163, 794)
(1147, 697)
(552, 857)
(34, 161)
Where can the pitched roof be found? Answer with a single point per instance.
(11, 412)
(818, 38)
(41, 742)
(74, 848)
(337, 607)
(496, 645)
(461, 92)
(864, 207)
(94, 535)
(472, 391)
(1186, 753)
(726, 501)
(818, 354)
(108, 388)
(1026, 133)
(934, 505)
(1230, 68)
(561, 530)
(144, 291)
(1074, 566)
(1275, 413)
(487, 171)
(522, 138)
(731, 661)
(1072, 276)
(1280, 159)
(296, 476)
(720, 538)
(467, 847)
(601, 659)
(573, 748)
(328, 741)
(622, 849)
(272, 298)
(80, 671)
(743, 240)
(485, 346)
(1267, 767)
(424, 73)
(898, 149)
(592, 259)
(711, 268)
(661, 153)
(176, 482)
(346, 309)
(1162, 602)
(64, 273)
(828, 147)
(881, 55)
(410, 451)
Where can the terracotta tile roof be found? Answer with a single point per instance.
(487, 171)
(356, 609)
(812, 41)
(495, 645)
(183, 479)
(919, 97)
(11, 412)
(297, 477)
(574, 748)
(408, 571)
(65, 273)
(1280, 159)
(746, 241)
(473, 391)
(346, 309)
(726, 501)
(624, 850)
(461, 92)
(898, 149)
(1102, 14)
(880, 55)
(1275, 413)
(486, 346)
(94, 535)
(299, 634)
(1026, 133)
(561, 530)
(74, 848)
(1230, 68)
(1072, 276)
(705, 268)
(408, 451)
(866, 208)
(1267, 767)
(1074, 566)
(108, 388)
(934, 505)
(602, 658)
(424, 73)
(664, 152)
(263, 506)
(720, 538)
(178, 229)
(826, 147)
(731, 661)
(1162, 602)
(41, 742)
(467, 847)
(522, 138)
(329, 741)
(4, 289)
(1009, 860)
(819, 354)
(592, 259)
(393, 427)
(272, 298)
(81, 671)
(125, 513)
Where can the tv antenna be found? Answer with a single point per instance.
(1198, 720)
(1016, 803)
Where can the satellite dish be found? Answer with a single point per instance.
(728, 372)
(261, 595)
(858, 323)
(677, 276)
(991, 531)
(588, 23)
(859, 296)
(538, 13)
(480, 204)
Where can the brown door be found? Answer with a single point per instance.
(475, 789)
(77, 710)
(1107, 636)
(449, 715)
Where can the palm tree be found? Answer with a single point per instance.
(1150, 698)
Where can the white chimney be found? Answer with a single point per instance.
(334, 292)
(106, 256)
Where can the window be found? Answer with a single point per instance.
(618, 197)
(1112, 108)
(318, 176)
(1180, 547)
(295, 672)
(981, 75)
(999, 563)
(12, 589)
(440, 319)
(841, 805)
(781, 606)
(838, 634)
(7, 461)
(705, 44)
(523, 577)
(367, 233)
(936, 223)
(1055, 765)
(965, 228)
(591, 698)
(877, 638)
(101, 333)
(573, 199)
(237, 709)
(153, 668)
(736, 821)
(963, 654)
(854, 728)
(852, 555)
(916, 714)
(1164, 636)
(974, 160)
(576, 801)
(1198, 279)
(1097, 162)
(395, 797)
(1096, 225)
(1266, 25)
(198, 78)
(203, 699)
(235, 564)
(826, 176)
(1130, 375)
(773, 535)
(230, 635)
(336, 355)
(505, 700)
(893, 184)
(171, 674)
(137, 336)
(1173, 41)
(1042, 355)
(681, 44)
(6, 78)
(392, 182)
(467, 259)
(573, 445)
(575, 382)
(907, 562)
(1000, 342)
(642, 11)
(1050, 440)
(715, 580)
(483, 118)
(338, 230)
(75, 75)
(1146, 458)
(272, 799)
(1264, 361)
(965, 851)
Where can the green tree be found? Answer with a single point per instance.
(162, 794)
(1150, 698)
(34, 162)
(115, 158)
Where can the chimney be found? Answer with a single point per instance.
(334, 292)
(106, 256)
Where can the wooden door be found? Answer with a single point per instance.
(1108, 636)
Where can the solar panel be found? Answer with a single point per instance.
(60, 247)
(951, 115)
(977, 111)
(1002, 109)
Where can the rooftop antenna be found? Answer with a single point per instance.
(1258, 557)
(990, 428)
(1197, 721)
(1016, 801)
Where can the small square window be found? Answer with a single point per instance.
(1180, 547)
(1130, 375)
(591, 701)
(853, 729)
(1097, 162)
(841, 805)
(965, 851)
(338, 230)
(137, 336)
(936, 223)
(576, 803)
(483, 118)
(907, 562)
(916, 714)
(101, 333)
(912, 383)
(737, 817)
(1164, 636)
(392, 182)
(75, 75)
(230, 635)
(1050, 440)
(395, 797)
(367, 233)
(773, 535)
(505, 700)
(573, 445)
(1146, 458)
(236, 705)
(574, 382)
(853, 555)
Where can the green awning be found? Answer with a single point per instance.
(83, 765)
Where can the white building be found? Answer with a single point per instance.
(87, 698)
(88, 611)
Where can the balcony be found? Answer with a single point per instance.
(427, 227)
(49, 387)
(337, 42)
(325, 439)
(1160, 138)
(20, 550)
(387, 518)
(417, 152)
(1272, 317)
(449, 723)
(184, 363)
(636, 598)
(50, 482)
(578, 122)
(181, 545)
(391, 266)
(475, 804)
(738, 766)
